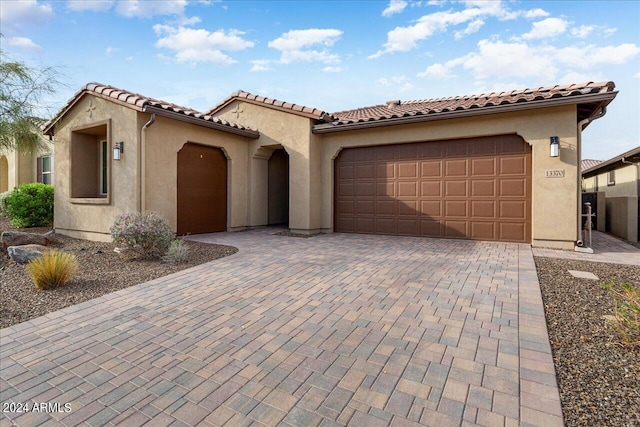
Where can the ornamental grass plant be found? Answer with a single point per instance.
(52, 270)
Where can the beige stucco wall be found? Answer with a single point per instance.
(626, 182)
(554, 200)
(21, 168)
(164, 139)
(293, 133)
(91, 218)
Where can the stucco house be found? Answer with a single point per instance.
(618, 181)
(22, 168)
(499, 166)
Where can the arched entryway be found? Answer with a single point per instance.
(202, 190)
(4, 174)
(278, 183)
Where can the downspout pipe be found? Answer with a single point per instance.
(142, 162)
(581, 125)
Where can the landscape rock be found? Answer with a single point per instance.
(19, 238)
(25, 253)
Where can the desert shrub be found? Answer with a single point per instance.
(178, 252)
(148, 233)
(53, 269)
(3, 203)
(626, 313)
(30, 205)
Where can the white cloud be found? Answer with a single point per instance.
(395, 6)
(406, 87)
(404, 39)
(92, 5)
(583, 31)
(637, 75)
(16, 14)
(23, 43)
(549, 27)
(199, 45)
(495, 60)
(147, 9)
(260, 65)
(402, 82)
(332, 69)
(293, 43)
(535, 13)
(436, 71)
(473, 27)
(110, 50)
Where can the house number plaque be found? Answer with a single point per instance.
(554, 173)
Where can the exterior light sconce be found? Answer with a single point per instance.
(554, 146)
(118, 149)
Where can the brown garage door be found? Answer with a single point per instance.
(477, 188)
(202, 190)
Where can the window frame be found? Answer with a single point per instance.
(611, 178)
(103, 168)
(44, 172)
(99, 199)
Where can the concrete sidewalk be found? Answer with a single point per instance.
(331, 330)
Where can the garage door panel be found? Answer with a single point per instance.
(385, 189)
(408, 170)
(431, 189)
(513, 166)
(365, 171)
(476, 188)
(456, 188)
(455, 229)
(483, 167)
(431, 169)
(365, 189)
(432, 208)
(483, 209)
(386, 207)
(407, 189)
(408, 208)
(483, 230)
(513, 187)
(513, 209)
(483, 188)
(385, 171)
(455, 208)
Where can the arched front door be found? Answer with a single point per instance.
(202, 190)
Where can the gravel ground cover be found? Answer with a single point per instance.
(599, 379)
(100, 271)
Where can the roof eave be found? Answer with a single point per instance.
(604, 98)
(634, 154)
(248, 133)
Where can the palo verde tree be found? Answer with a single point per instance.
(23, 91)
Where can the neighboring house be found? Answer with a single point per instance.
(17, 168)
(618, 180)
(476, 167)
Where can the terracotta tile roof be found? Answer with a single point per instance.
(589, 163)
(398, 110)
(141, 103)
(301, 110)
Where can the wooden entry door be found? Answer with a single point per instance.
(202, 189)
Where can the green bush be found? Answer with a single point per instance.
(626, 313)
(148, 233)
(53, 269)
(3, 202)
(178, 252)
(30, 205)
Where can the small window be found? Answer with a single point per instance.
(611, 177)
(595, 183)
(104, 163)
(47, 170)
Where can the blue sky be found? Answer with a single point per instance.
(338, 55)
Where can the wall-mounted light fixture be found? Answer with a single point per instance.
(118, 149)
(554, 146)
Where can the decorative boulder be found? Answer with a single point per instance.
(19, 238)
(25, 253)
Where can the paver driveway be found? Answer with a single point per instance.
(331, 330)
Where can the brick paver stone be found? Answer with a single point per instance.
(332, 330)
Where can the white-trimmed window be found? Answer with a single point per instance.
(611, 177)
(45, 170)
